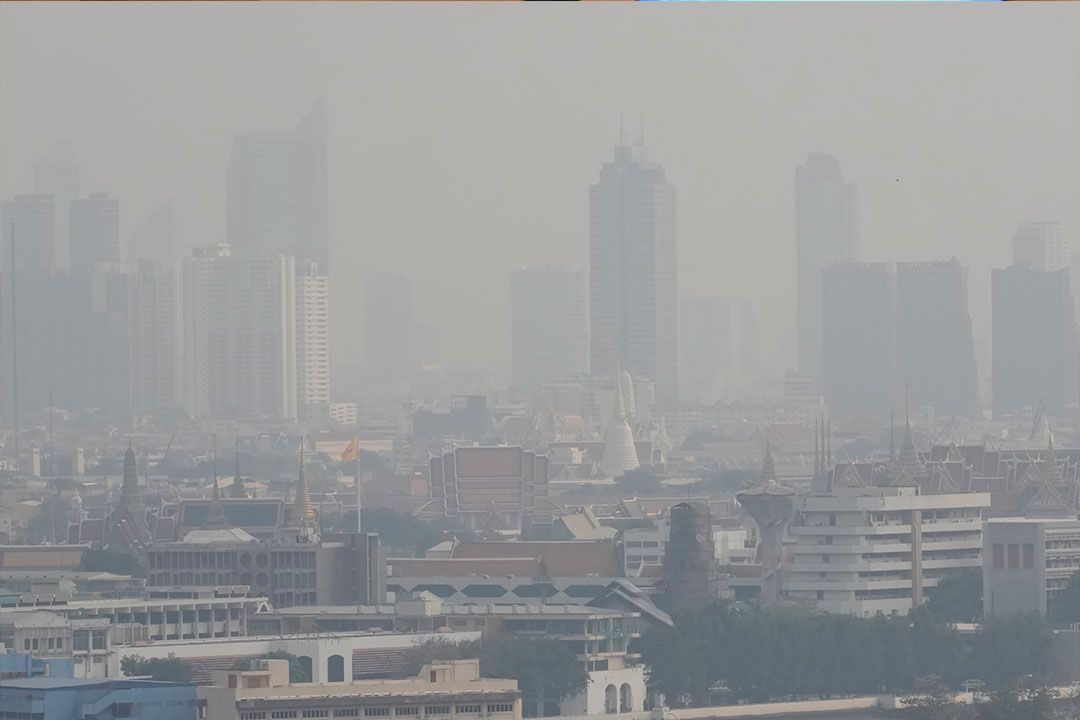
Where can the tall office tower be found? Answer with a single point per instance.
(1042, 246)
(276, 192)
(857, 338)
(29, 236)
(548, 311)
(239, 337)
(95, 232)
(312, 339)
(57, 174)
(826, 232)
(156, 336)
(719, 346)
(155, 237)
(934, 343)
(388, 330)
(91, 341)
(633, 285)
(1034, 339)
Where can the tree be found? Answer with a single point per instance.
(1026, 700)
(170, 669)
(113, 561)
(298, 672)
(958, 596)
(1065, 608)
(1007, 650)
(547, 670)
(931, 700)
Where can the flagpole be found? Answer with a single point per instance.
(356, 484)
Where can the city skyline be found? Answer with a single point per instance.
(929, 195)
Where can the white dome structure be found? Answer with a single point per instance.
(620, 454)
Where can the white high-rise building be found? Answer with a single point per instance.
(826, 232)
(549, 341)
(1042, 246)
(239, 334)
(633, 282)
(156, 337)
(875, 550)
(313, 338)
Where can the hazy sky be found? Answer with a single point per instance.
(463, 138)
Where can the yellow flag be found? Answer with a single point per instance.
(351, 452)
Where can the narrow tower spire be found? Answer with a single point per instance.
(303, 509)
(237, 489)
(215, 516)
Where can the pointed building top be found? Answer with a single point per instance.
(303, 513)
(130, 485)
(236, 490)
(768, 467)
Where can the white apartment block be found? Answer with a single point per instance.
(313, 338)
(239, 335)
(1027, 562)
(875, 550)
(1042, 246)
(344, 413)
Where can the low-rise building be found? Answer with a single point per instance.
(867, 550)
(54, 698)
(443, 691)
(1027, 562)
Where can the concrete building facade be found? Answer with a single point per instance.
(312, 340)
(1027, 563)
(874, 550)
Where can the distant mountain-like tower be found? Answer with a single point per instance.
(276, 192)
(633, 271)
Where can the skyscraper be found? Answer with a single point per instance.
(29, 237)
(239, 337)
(95, 232)
(1042, 246)
(858, 338)
(934, 344)
(276, 192)
(388, 330)
(1034, 339)
(56, 174)
(548, 319)
(313, 339)
(719, 346)
(633, 284)
(156, 336)
(826, 232)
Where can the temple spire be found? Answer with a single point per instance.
(237, 488)
(892, 437)
(129, 487)
(303, 514)
(768, 467)
(215, 516)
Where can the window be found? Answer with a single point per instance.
(1029, 556)
(377, 712)
(320, 713)
(500, 707)
(467, 709)
(437, 710)
(999, 556)
(407, 710)
(347, 712)
(282, 714)
(1014, 556)
(253, 715)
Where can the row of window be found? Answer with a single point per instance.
(1012, 551)
(376, 712)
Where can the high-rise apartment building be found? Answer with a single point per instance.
(826, 232)
(1042, 246)
(276, 192)
(934, 343)
(156, 336)
(239, 337)
(28, 252)
(719, 346)
(94, 230)
(633, 284)
(1034, 339)
(548, 319)
(56, 174)
(312, 338)
(388, 330)
(858, 338)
